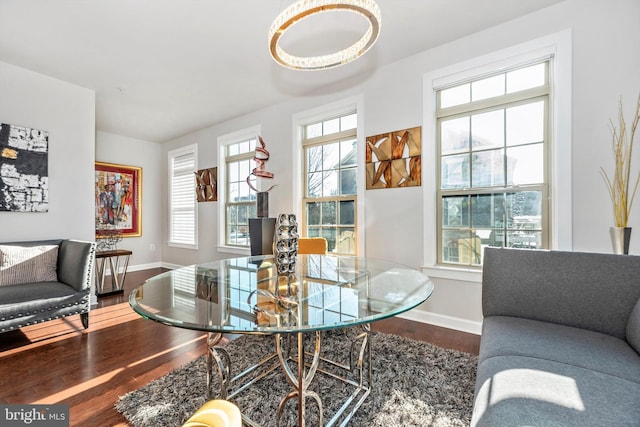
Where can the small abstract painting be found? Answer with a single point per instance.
(24, 169)
(207, 185)
(118, 195)
(394, 159)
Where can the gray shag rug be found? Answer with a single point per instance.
(415, 384)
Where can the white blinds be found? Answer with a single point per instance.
(183, 198)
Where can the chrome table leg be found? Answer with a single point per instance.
(299, 380)
(222, 362)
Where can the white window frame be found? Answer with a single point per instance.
(501, 102)
(318, 141)
(300, 120)
(193, 150)
(556, 45)
(252, 132)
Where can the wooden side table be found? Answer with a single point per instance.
(117, 258)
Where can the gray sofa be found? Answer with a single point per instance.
(560, 340)
(64, 293)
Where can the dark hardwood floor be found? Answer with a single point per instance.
(60, 362)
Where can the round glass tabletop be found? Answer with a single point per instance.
(245, 295)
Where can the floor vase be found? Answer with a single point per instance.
(620, 237)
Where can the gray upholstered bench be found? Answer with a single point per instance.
(560, 340)
(44, 280)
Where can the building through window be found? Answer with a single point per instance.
(493, 138)
(240, 199)
(330, 182)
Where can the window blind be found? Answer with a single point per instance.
(183, 198)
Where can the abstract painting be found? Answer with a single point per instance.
(24, 170)
(207, 185)
(118, 189)
(394, 159)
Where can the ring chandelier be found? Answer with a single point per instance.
(303, 9)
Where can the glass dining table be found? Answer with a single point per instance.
(247, 296)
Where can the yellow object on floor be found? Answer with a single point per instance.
(312, 245)
(216, 413)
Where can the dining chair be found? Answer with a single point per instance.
(312, 245)
(216, 413)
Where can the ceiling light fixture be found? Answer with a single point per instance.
(303, 9)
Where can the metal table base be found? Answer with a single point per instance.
(300, 377)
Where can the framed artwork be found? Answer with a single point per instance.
(207, 185)
(394, 159)
(24, 170)
(118, 194)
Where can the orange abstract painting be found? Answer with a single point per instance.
(394, 159)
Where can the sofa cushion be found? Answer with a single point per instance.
(529, 391)
(20, 264)
(633, 328)
(512, 336)
(22, 295)
(585, 290)
(19, 308)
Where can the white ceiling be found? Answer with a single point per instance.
(164, 68)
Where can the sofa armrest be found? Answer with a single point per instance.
(586, 290)
(75, 263)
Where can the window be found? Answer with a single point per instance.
(330, 182)
(242, 277)
(240, 199)
(493, 141)
(182, 197)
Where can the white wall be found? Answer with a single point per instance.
(276, 128)
(606, 65)
(112, 148)
(67, 112)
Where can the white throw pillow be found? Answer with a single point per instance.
(28, 264)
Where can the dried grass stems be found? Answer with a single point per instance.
(622, 144)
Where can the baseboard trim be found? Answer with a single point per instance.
(171, 266)
(137, 267)
(148, 266)
(444, 321)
